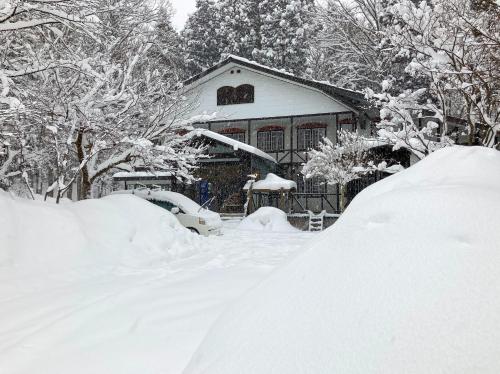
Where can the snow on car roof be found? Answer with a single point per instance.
(183, 202)
(235, 144)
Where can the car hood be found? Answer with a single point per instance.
(211, 218)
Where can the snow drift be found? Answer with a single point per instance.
(407, 281)
(37, 238)
(267, 219)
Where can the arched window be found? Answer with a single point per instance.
(244, 94)
(225, 95)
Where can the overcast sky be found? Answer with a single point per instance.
(182, 9)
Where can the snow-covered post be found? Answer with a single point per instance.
(339, 163)
(249, 203)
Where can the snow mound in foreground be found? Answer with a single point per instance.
(113, 232)
(407, 281)
(267, 219)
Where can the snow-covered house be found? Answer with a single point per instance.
(280, 114)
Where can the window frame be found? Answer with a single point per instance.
(234, 133)
(242, 94)
(275, 139)
(313, 139)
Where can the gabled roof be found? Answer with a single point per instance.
(353, 99)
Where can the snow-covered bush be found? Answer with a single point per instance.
(339, 163)
(267, 219)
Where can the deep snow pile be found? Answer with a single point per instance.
(407, 281)
(267, 219)
(116, 286)
(39, 238)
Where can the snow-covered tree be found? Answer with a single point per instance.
(350, 49)
(167, 49)
(410, 120)
(339, 163)
(453, 46)
(114, 104)
(273, 32)
(200, 38)
(32, 39)
(286, 29)
(347, 50)
(132, 115)
(234, 27)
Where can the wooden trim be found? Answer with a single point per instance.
(249, 138)
(271, 128)
(277, 117)
(346, 121)
(313, 125)
(231, 130)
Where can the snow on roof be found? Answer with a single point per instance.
(393, 169)
(246, 60)
(283, 71)
(142, 174)
(235, 144)
(405, 282)
(348, 97)
(272, 182)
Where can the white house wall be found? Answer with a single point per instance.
(274, 97)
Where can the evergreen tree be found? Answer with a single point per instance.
(200, 38)
(234, 27)
(285, 31)
(273, 32)
(167, 46)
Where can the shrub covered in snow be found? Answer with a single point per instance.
(407, 281)
(267, 219)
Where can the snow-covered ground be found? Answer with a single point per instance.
(407, 281)
(63, 310)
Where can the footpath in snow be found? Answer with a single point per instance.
(81, 309)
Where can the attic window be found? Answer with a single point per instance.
(244, 94)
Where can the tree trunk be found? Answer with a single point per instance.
(249, 203)
(85, 183)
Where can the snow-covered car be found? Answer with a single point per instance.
(189, 213)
